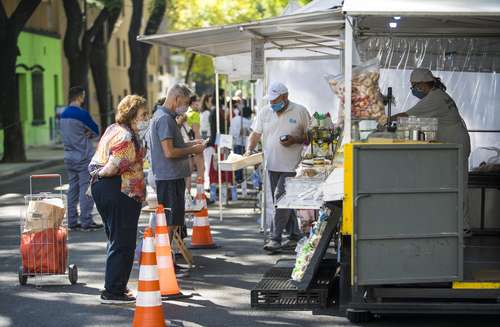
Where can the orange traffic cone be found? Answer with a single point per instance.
(200, 198)
(169, 287)
(148, 306)
(201, 237)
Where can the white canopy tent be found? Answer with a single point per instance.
(313, 31)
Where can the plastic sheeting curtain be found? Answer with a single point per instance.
(467, 66)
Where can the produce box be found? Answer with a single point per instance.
(235, 161)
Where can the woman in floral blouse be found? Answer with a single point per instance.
(118, 190)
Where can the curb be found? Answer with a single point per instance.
(35, 166)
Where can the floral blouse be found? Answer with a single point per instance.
(119, 146)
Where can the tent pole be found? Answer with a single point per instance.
(348, 80)
(217, 114)
(230, 90)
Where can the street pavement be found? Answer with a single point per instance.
(221, 281)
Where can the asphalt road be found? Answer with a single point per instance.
(220, 282)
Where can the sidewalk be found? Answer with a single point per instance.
(38, 158)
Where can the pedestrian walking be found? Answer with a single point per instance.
(283, 126)
(77, 130)
(170, 154)
(118, 190)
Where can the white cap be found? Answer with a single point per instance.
(421, 75)
(275, 90)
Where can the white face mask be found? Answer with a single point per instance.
(181, 110)
(143, 125)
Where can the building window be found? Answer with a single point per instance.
(151, 78)
(124, 53)
(119, 99)
(125, 92)
(118, 55)
(37, 98)
(161, 69)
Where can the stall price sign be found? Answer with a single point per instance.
(258, 59)
(226, 141)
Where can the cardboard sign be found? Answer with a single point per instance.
(258, 59)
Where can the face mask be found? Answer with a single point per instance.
(419, 94)
(181, 110)
(278, 106)
(142, 128)
(143, 125)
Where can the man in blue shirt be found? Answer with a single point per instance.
(77, 130)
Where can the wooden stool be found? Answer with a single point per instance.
(177, 239)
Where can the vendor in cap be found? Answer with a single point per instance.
(282, 126)
(436, 103)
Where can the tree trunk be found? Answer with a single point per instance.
(139, 51)
(99, 68)
(10, 28)
(192, 58)
(77, 46)
(13, 142)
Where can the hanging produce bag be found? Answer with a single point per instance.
(366, 98)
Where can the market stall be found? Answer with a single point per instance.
(310, 34)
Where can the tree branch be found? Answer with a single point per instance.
(3, 15)
(114, 14)
(74, 24)
(156, 17)
(22, 13)
(96, 26)
(190, 67)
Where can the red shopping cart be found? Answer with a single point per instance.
(44, 235)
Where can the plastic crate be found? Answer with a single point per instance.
(276, 290)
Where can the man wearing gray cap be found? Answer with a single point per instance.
(282, 126)
(436, 103)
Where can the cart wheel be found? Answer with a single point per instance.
(23, 279)
(358, 316)
(73, 274)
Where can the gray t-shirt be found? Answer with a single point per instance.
(163, 126)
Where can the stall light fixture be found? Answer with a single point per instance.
(393, 24)
(397, 17)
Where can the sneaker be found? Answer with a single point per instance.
(75, 227)
(290, 244)
(272, 246)
(108, 298)
(92, 227)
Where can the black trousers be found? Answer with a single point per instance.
(120, 215)
(171, 194)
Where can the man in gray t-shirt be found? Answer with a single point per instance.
(169, 154)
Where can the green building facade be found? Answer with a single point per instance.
(39, 77)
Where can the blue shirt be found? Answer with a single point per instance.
(76, 123)
(163, 126)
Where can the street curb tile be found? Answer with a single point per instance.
(35, 166)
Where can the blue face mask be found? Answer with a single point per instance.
(419, 94)
(278, 106)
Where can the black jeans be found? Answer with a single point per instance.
(120, 215)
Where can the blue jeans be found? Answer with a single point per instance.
(79, 179)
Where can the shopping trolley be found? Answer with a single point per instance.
(44, 235)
